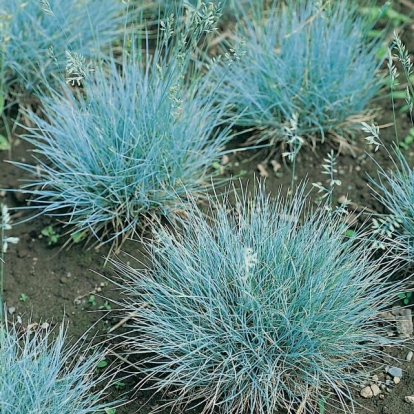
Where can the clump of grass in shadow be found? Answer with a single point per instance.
(134, 140)
(394, 187)
(264, 305)
(301, 69)
(36, 35)
(40, 374)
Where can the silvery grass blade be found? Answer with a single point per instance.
(301, 68)
(37, 34)
(266, 304)
(39, 373)
(133, 142)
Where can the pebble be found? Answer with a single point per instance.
(397, 380)
(395, 372)
(404, 321)
(409, 356)
(366, 392)
(409, 399)
(375, 390)
(370, 391)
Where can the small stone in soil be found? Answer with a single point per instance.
(409, 399)
(395, 372)
(366, 392)
(404, 323)
(375, 390)
(409, 356)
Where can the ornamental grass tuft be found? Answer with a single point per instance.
(262, 306)
(40, 374)
(36, 34)
(301, 71)
(134, 140)
(394, 187)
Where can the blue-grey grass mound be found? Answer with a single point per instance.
(265, 305)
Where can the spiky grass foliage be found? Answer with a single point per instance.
(40, 374)
(258, 311)
(394, 187)
(134, 141)
(36, 35)
(301, 69)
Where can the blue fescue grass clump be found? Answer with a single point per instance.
(36, 35)
(40, 374)
(300, 70)
(134, 141)
(394, 188)
(257, 308)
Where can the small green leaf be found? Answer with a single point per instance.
(402, 295)
(23, 297)
(399, 95)
(78, 236)
(4, 144)
(119, 384)
(102, 364)
(92, 300)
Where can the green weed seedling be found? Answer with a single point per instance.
(119, 385)
(405, 144)
(406, 297)
(103, 363)
(23, 297)
(92, 300)
(105, 306)
(51, 235)
(78, 236)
